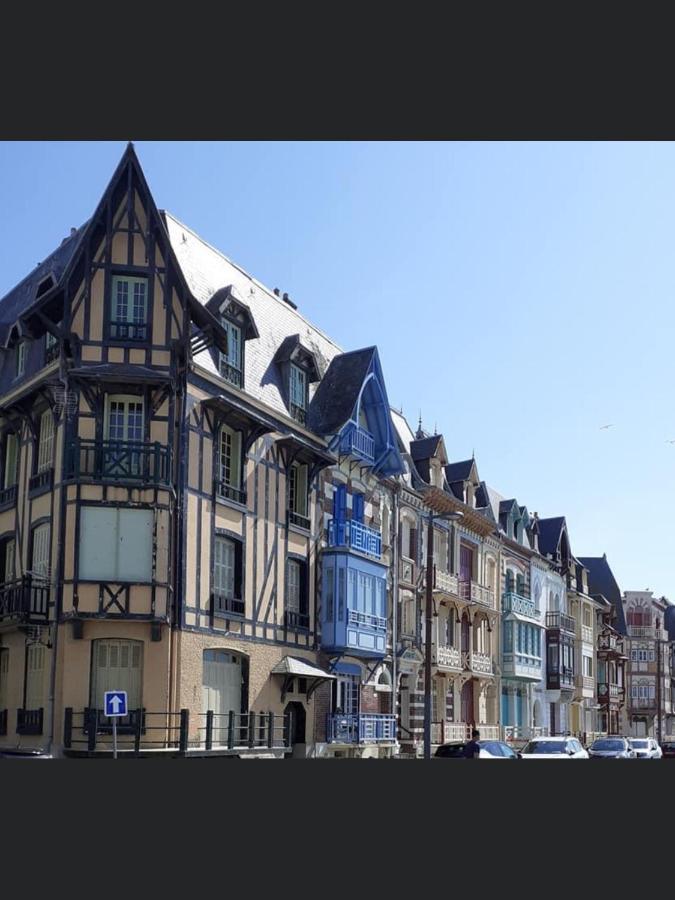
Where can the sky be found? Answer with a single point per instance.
(521, 295)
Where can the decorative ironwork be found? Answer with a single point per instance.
(230, 373)
(121, 330)
(41, 482)
(296, 519)
(228, 605)
(524, 606)
(299, 413)
(24, 598)
(29, 721)
(8, 497)
(560, 621)
(125, 461)
(228, 492)
(296, 620)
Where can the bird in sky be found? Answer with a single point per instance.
(670, 442)
(606, 426)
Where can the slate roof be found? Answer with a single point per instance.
(338, 391)
(206, 270)
(601, 580)
(22, 296)
(458, 471)
(669, 621)
(549, 534)
(424, 448)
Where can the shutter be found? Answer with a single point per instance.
(357, 508)
(304, 590)
(46, 443)
(412, 550)
(35, 663)
(238, 568)
(11, 459)
(340, 503)
(9, 560)
(40, 553)
(118, 666)
(134, 540)
(301, 490)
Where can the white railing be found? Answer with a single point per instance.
(444, 581)
(447, 657)
(585, 682)
(483, 595)
(524, 606)
(587, 634)
(481, 663)
(445, 732)
(523, 732)
(489, 732)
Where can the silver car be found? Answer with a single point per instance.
(611, 748)
(646, 748)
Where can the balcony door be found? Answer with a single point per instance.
(468, 716)
(346, 695)
(124, 432)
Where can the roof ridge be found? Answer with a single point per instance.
(252, 278)
(42, 262)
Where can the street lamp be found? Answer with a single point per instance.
(450, 516)
(658, 681)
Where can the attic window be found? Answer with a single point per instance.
(298, 393)
(21, 353)
(45, 285)
(230, 363)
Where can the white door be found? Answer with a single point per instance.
(117, 666)
(221, 691)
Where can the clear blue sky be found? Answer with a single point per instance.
(521, 295)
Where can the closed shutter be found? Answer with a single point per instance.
(298, 389)
(224, 567)
(41, 552)
(293, 587)
(9, 571)
(230, 457)
(116, 544)
(117, 666)
(11, 459)
(35, 670)
(340, 503)
(357, 507)
(46, 444)
(4, 673)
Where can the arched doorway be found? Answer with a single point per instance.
(467, 703)
(298, 730)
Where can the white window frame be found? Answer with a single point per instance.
(229, 457)
(224, 563)
(126, 400)
(293, 583)
(11, 473)
(131, 306)
(40, 562)
(298, 386)
(233, 358)
(21, 354)
(298, 493)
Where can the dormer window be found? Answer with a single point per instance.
(129, 308)
(231, 367)
(298, 393)
(21, 354)
(51, 348)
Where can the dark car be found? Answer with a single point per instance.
(488, 750)
(23, 753)
(668, 750)
(611, 748)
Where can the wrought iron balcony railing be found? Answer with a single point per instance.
(121, 461)
(229, 606)
(29, 721)
(25, 599)
(8, 497)
(121, 330)
(560, 621)
(295, 619)
(230, 373)
(229, 492)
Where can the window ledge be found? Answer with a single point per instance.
(299, 529)
(234, 504)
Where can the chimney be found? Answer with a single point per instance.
(276, 292)
(288, 300)
(73, 231)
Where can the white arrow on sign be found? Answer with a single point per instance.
(116, 703)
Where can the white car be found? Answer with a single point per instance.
(554, 748)
(646, 748)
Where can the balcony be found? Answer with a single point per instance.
(586, 684)
(361, 729)
(444, 656)
(557, 621)
(359, 443)
(121, 330)
(229, 492)
(355, 536)
(230, 373)
(228, 606)
(24, 600)
(560, 679)
(445, 582)
(449, 732)
(119, 461)
(299, 413)
(299, 520)
(477, 593)
(586, 633)
(478, 663)
(647, 632)
(610, 694)
(29, 721)
(610, 643)
(8, 497)
(353, 605)
(522, 606)
(41, 482)
(296, 620)
(521, 666)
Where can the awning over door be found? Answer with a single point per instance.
(291, 667)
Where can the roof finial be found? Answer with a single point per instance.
(420, 433)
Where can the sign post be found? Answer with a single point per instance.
(115, 705)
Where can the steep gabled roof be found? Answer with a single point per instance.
(601, 581)
(550, 532)
(459, 471)
(338, 392)
(425, 448)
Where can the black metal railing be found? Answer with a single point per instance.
(135, 461)
(128, 331)
(230, 373)
(560, 621)
(296, 619)
(8, 497)
(229, 492)
(29, 721)
(3, 722)
(89, 731)
(24, 598)
(299, 413)
(40, 482)
(229, 606)
(295, 518)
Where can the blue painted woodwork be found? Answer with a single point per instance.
(366, 728)
(354, 605)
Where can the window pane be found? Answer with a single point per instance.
(223, 567)
(293, 597)
(11, 460)
(46, 445)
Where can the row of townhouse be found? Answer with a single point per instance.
(207, 503)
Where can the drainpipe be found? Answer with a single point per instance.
(394, 606)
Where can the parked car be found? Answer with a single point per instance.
(668, 750)
(23, 753)
(646, 748)
(488, 750)
(554, 748)
(611, 748)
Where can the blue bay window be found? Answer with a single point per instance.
(354, 605)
